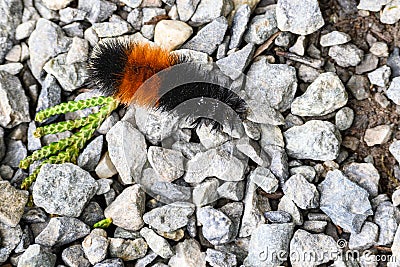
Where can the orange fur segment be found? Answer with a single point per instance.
(144, 61)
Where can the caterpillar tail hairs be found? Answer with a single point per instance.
(141, 74)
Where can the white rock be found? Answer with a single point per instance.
(378, 135)
(380, 76)
(380, 49)
(334, 38)
(391, 12)
(171, 34)
(393, 92)
(372, 5)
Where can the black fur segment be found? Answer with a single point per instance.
(106, 65)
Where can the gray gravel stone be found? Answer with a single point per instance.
(36, 256)
(380, 76)
(157, 243)
(217, 227)
(92, 214)
(325, 95)
(168, 163)
(369, 63)
(97, 10)
(171, 34)
(116, 262)
(239, 25)
(366, 238)
(231, 190)
(209, 37)
(12, 203)
(127, 209)
(14, 103)
(90, 156)
(313, 244)
(393, 92)
(10, 17)
(267, 239)
(315, 226)
(170, 217)
(365, 175)
(56, 5)
(132, 3)
(61, 231)
(105, 168)
(50, 95)
(344, 202)
(359, 86)
(275, 82)
(391, 12)
(45, 42)
(307, 171)
(379, 49)
(218, 258)
(261, 27)
(318, 140)
(214, 162)
(186, 8)
(208, 10)
(387, 217)
(33, 142)
(63, 189)
(205, 192)
(10, 238)
(288, 19)
(344, 118)
(14, 55)
(234, 64)
(70, 76)
(303, 193)
(16, 151)
(95, 246)
(252, 214)
(278, 216)
(148, 15)
(394, 149)
(128, 153)
(12, 68)
(127, 250)
(372, 5)
(378, 135)
(69, 14)
(79, 51)
(393, 62)
(146, 260)
(263, 178)
(111, 29)
(2, 144)
(74, 256)
(346, 55)
(334, 38)
(188, 254)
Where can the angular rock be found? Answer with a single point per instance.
(231, 190)
(45, 42)
(75, 257)
(188, 253)
(2, 144)
(111, 29)
(372, 5)
(12, 202)
(170, 217)
(344, 202)
(10, 238)
(387, 217)
(344, 118)
(379, 49)
(132, 3)
(11, 15)
(92, 214)
(127, 209)
(171, 34)
(261, 27)
(265, 179)
(127, 153)
(70, 76)
(393, 62)
(314, 244)
(186, 8)
(127, 249)
(61, 231)
(217, 227)
(334, 38)
(278, 216)
(209, 37)
(105, 168)
(14, 103)
(69, 14)
(276, 82)
(325, 95)
(36, 256)
(366, 238)
(208, 10)
(318, 140)
(205, 192)
(90, 156)
(391, 12)
(218, 258)
(378, 135)
(365, 175)
(369, 63)
(380, 76)
(307, 171)
(97, 10)
(157, 244)
(346, 55)
(214, 162)
(63, 189)
(95, 246)
(288, 18)
(234, 64)
(239, 25)
(168, 163)
(302, 192)
(50, 95)
(359, 87)
(267, 238)
(148, 14)
(393, 92)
